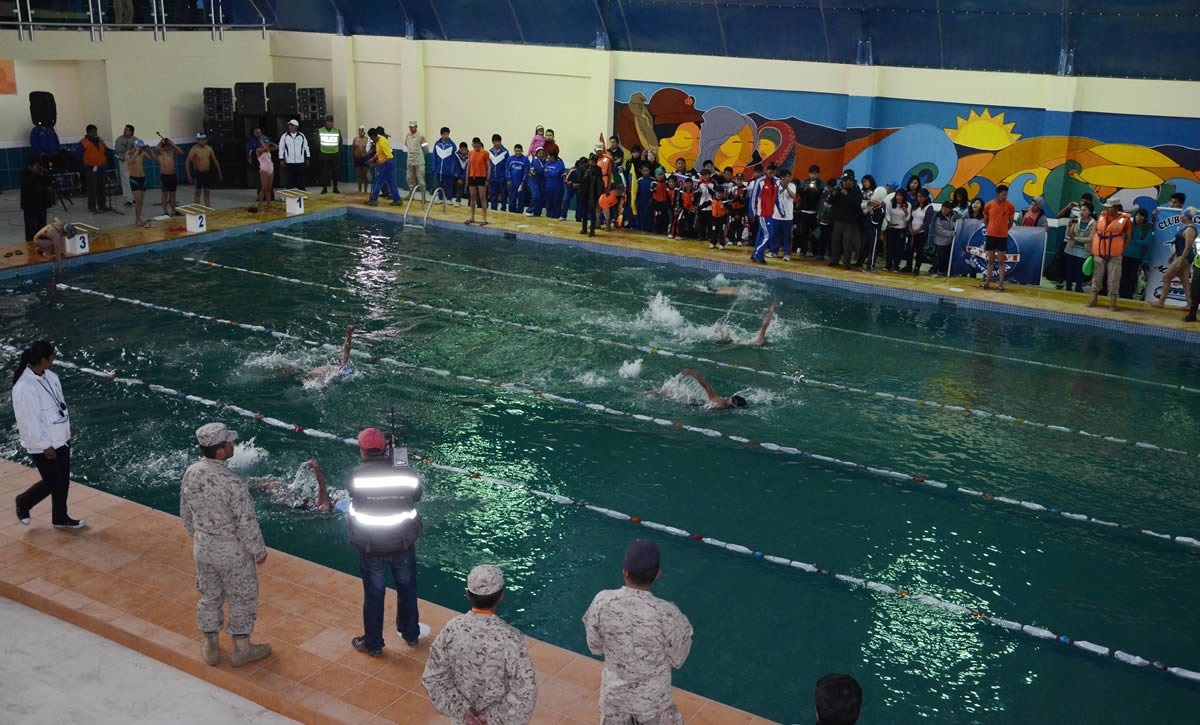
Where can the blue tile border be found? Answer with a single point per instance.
(46, 269)
(828, 283)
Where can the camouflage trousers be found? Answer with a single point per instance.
(670, 716)
(228, 576)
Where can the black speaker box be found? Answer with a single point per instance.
(249, 90)
(281, 91)
(250, 106)
(243, 126)
(219, 127)
(42, 109)
(282, 107)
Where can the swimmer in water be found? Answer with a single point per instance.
(338, 372)
(724, 338)
(282, 496)
(715, 402)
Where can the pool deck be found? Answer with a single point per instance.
(130, 577)
(1056, 304)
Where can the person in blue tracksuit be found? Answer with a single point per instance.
(460, 173)
(517, 172)
(537, 183)
(572, 179)
(764, 202)
(555, 171)
(498, 174)
(643, 205)
(444, 166)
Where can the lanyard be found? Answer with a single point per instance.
(62, 406)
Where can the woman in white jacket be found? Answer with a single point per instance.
(45, 430)
(898, 213)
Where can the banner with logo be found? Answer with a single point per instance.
(1023, 260)
(1167, 225)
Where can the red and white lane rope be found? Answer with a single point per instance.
(708, 432)
(663, 352)
(851, 581)
(860, 333)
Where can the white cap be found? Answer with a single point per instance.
(293, 122)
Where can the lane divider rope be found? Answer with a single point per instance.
(850, 581)
(861, 333)
(708, 432)
(663, 352)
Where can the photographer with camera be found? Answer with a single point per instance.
(384, 526)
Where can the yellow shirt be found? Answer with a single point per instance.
(383, 149)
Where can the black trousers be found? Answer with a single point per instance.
(93, 181)
(1129, 276)
(941, 259)
(895, 247)
(1195, 291)
(56, 477)
(329, 170)
(295, 174)
(35, 219)
(588, 206)
(802, 235)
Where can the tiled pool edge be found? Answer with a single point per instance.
(803, 278)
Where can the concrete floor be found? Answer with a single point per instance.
(53, 671)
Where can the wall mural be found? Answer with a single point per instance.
(946, 145)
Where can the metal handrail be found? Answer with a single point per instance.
(412, 193)
(433, 200)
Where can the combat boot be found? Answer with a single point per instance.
(244, 652)
(211, 651)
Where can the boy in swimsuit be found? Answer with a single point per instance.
(166, 151)
(338, 372)
(724, 338)
(715, 402)
(281, 495)
(135, 158)
(359, 150)
(199, 162)
(51, 240)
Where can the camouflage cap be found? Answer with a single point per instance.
(214, 434)
(485, 580)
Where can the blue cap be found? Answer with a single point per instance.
(139, 143)
(641, 557)
(342, 505)
(201, 135)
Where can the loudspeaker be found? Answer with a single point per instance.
(250, 99)
(42, 109)
(243, 126)
(229, 155)
(219, 126)
(281, 98)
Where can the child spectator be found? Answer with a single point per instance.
(660, 202)
(898, 216)
(460, 173)
(738, 205)
(1035, 215)
(918, 226)
(538, 141)
(537, 183)
(610, 202)
(574, 176)
(704, 197)
(876, 218)
(643, 204)
(445, 167)
(962, 205)
(824, 235)
(943, 236)
(516, 172)
(720, 217)
(781, 237)
(478, 167)
(555, 170)
(685, 219)
(498, 174)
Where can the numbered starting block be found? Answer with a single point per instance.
(81, 243)
(294, 200)
(197, 217)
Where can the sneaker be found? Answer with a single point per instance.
(22, 514)
(396, 203)
(528, 213)
(771, 255)
(371, 203)
(128, 203)
(324, 191)
(423, 631)
(71, 524)
(712, 246)
(933, 275)
(756, 260)
(360, 644)
(722, 246)
(787, 258)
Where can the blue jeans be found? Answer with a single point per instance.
(374, 575)
(385, 175)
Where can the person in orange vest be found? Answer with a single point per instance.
(1112, 234)
(93, 155)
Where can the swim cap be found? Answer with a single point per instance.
(139, 143)
(737, 401)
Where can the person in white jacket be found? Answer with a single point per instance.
(45, 429)
(293, 152)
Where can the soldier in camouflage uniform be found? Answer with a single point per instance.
(217, 511)
(479, 671)
(641, 637)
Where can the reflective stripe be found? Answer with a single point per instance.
(329, 140)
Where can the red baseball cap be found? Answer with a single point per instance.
(372, 440)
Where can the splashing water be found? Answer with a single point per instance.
(591, 380)
(247, 455)
(683, 389)
(661, 312)
(631, 369)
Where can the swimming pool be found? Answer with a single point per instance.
(765, 632)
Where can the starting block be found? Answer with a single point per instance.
(294, 200)
(197, 217)
(81, 242)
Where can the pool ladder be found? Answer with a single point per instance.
(437, 193)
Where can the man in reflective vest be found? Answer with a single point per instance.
(331, 144)
(384, 527)
(1113, 229)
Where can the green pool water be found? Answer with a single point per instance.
(764, 633)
